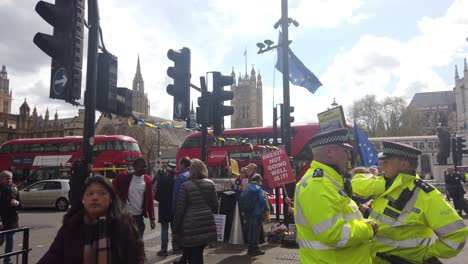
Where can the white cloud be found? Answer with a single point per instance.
(384, 66)
(326, 14)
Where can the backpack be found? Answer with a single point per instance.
(247, 201)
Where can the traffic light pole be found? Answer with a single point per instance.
(204, 128)
(285, 50)
(91, 79)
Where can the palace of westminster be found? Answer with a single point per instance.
(31, 124)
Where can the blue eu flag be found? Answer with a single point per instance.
(364, 152)
(298, 73)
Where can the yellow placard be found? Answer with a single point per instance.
(234, 167)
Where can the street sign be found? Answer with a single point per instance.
(179, 110)
(60, 81)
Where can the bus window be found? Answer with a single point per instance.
(5, 149)
(109, 145)
(19, 148)
(99, 146)
(68, 147)
(51, 147)
(131, 146)
(118, 145)
(192, 142)
(36, 148)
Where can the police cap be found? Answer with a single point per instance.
(393, 149)
(334, 137)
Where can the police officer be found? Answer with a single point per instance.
(330, 227)
(409, 211)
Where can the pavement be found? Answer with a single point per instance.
(224, 253)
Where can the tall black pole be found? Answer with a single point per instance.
(91, 79)
(82, 168)
(285, 115)
(204, 129)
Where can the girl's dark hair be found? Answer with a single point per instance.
(126, 244)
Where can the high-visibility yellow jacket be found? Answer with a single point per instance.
(330, 228)
(367, 187)
(406, 228)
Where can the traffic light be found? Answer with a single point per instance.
(106, 92)
(65, 47)
(204, 111)
(460, 150)
(291, 118)
(181, 87)
(124, 102)
(455, 158)
(219, 110)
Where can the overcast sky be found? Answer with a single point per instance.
(355, 47)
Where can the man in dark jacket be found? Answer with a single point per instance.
(163, 195)
(8, 205)
(454, 185)
(254, 206)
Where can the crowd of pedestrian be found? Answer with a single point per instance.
(380, 214)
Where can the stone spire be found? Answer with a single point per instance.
(56, 115)
(233, 74)
(456, 73)
(192, 111)
(466, 67)
(4, 73)
(252, 73)
(46, 117)
(138, 69)
(34, 114)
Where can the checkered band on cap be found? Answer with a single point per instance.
(339, 136)
(400, 150)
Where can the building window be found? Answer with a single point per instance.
(430, 145)
(421, 145)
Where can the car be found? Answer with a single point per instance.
(46, 173)
(47, 193)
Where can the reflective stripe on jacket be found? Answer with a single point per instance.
(368, 187)
(330, 228)
(407, 232)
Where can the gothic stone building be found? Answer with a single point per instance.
(248, 100)
(435, 109)
(27, 125)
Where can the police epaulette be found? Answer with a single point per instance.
(317, 173)
(426, 187)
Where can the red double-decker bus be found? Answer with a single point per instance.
(234, 147)
(21, 156)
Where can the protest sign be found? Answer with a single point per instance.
(277, 169)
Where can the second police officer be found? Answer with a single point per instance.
(409, 212)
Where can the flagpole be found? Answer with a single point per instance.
(245, 55)
(286, 103)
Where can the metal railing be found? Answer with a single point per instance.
(24, 251)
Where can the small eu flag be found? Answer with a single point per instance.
(364, 152)
(298, 73)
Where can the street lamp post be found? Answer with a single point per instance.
(267, 45)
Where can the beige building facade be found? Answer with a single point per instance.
(248, 100)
